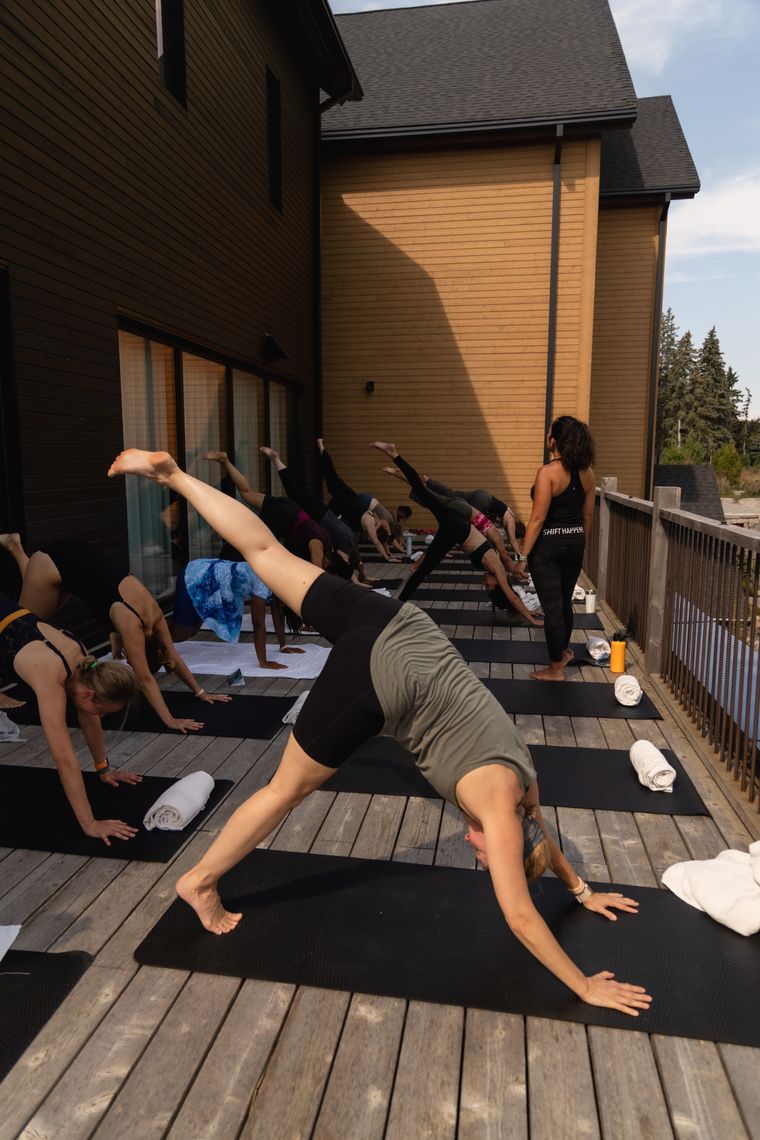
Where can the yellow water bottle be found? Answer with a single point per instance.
(617, 651)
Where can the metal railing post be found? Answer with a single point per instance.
(665, 498)
(609, 483)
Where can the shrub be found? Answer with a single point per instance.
(749, 480)
(727, 461)
(689, 452)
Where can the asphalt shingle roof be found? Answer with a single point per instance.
(483, 64)
(653, 156)
(699, 487)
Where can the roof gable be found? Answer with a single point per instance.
(652, 157)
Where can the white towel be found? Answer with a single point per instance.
(9, 730)
(727, 887)
(8, 935)
(382, 590)
(652, 768)
(291, 716)
(530, 601)
(180, 803)
(598, 648)
(579, 594)
(627, 690)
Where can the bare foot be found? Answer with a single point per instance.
(7, 702)
(388, 448)
(216, 456)
(206, 903)
(321, 445)
(11, 542)
(269, 452)
(550, 673)
(156, 465)
(567, 656)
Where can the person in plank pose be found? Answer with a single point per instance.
(392, 670)
(119, 602)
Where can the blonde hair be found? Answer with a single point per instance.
(537, 861)
(108, 680)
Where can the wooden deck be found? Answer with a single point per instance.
(141, 1052)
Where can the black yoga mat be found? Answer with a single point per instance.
(245, 716)
(462, 576)
(32, 986)
(486, 617)
(432, 594)
(35, 815)
(386, 583)
(598, 779)
(436, 934)
(516, 652)
(585, 698)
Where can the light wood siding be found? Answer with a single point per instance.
(117, 200)
(436, 287)
(623, 319)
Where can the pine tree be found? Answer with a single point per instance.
(687, 420)
(715, 397)
(667, 412)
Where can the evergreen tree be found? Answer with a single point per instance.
(687, 423)
(667, 412)
(714, 398)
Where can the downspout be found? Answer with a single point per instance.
(654, 362)
(551, 349)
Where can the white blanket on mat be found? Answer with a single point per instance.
(222, 658)
(180, 803)
(8, 935)
(727, 887)
(652, 768)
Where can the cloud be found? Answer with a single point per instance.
(652, 31)
(723, 218)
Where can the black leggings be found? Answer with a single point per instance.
(344, 500)
(339, 531)
(554, 568)
(453, 528)
(342, 709)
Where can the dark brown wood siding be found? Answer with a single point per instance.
(116, 200)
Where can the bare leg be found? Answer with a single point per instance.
(42, 590)
(297, 776)
(12, 543)
(289, 577)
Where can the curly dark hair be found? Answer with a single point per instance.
(498, 598)
(575, 443)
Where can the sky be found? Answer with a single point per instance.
(706, 54)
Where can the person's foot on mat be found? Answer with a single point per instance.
(155, 465)
(7, 702)
(567, 656)
(206, 903)
(550, 673)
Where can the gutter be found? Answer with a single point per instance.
(551, 347)
(654, 360)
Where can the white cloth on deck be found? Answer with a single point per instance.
(579, 594)
(652, 768)
(180, 803)
(628, 691)
(530, 601)
(9, 730)
(291, 716)
(598, 648)
(727, 887)
(8, 935)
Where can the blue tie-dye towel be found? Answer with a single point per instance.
(219, 591)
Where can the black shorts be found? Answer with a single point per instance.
(342, 709)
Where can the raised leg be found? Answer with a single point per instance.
(287, 576)
(42, 591)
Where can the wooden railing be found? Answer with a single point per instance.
(688, 591)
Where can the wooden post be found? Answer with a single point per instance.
(609, 483)
(665, 498)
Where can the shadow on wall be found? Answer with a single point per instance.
(454, 350)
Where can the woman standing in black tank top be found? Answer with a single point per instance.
(555, 538)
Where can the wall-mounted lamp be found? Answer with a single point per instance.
(369, 387)
(272, 349)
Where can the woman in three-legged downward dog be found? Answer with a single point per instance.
(392, 670)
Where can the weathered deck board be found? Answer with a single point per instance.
(559, 1069)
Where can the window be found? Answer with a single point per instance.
(11, 492)
(274, 140)
(170, 46)
(205, 417)
(178, 400)
(150, 421)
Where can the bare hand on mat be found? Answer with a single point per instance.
(184, 724)
(211, 698)
(102, 828)
(115, 778)
(272, 665)
(601, 903)
(290, 649)
(602, 989)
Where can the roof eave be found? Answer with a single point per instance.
(604, 120)
(335, 70)
(676, 192)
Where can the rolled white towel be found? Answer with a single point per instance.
(727, 887)
(579, 594)
(180, 803)
(627, 690)
(652, 768)
(291, 716)
(598, 648)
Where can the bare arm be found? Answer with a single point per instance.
(492, 563)
(133, 639)
(509, 526)
(278, 621)
(370, 525)
(589, 503)
(493, 536)
(542, 497)
(258, 620)
(241, 484)
(176, 664)
(51, 698)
